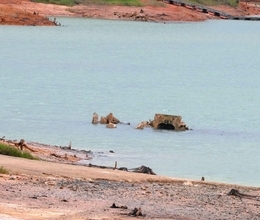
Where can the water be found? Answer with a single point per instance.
(54, 78)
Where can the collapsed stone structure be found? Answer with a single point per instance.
(109, 120)
(161, 121)
(171, 122)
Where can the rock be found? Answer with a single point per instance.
(111, 125)
(111, 119)
(103, 120)
(188, 183)
(143, 124)
(140, 126)
(95, 118)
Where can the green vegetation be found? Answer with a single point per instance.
(232, 3)
(3, 170)
(92, 2)
(57, 2)
(140, 3)
(12, 151)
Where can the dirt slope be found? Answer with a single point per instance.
(10, 15)
(25, 12)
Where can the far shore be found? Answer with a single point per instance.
(34, 14)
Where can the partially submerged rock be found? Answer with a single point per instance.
(161, 121)
(111, 125)
(143, 124)
(95, 118)
(110, 118)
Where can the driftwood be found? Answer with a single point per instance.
(143, 169)
(98, 166)
(235, 192)
(56, 155)
(114, 206)
(23, 145)
(115, 166)
(123, 168)
(136, 212)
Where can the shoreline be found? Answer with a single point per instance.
(37, 189)
(55, 187)
(35, 14)
(70, 156)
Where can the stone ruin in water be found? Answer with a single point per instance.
(161, 121)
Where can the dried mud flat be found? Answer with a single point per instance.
(52, 190)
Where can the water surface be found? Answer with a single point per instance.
(54, 78)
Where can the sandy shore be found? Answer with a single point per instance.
(56, 188)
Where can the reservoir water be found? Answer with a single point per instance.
(52, 79)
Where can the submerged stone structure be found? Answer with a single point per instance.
(170, 122)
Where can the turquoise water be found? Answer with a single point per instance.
(54, 78)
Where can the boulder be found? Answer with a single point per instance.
(103, 120)
(95, 118)
(111, 119)
(143, 124)
(111, 125)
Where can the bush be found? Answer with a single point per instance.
(92, 2)
(140, 3)
(3, 170)
(57, 2)
(232, 3)
(12, 151)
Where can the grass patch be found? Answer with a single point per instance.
(111, 2)
(137, 3)
(12, 151)
(232, 3)
(57, 2)
(3, 170)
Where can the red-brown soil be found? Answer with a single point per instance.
(25, 12)
(10, 15)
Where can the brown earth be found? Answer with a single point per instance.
(58, 188)
(13, 12)
(25, 12)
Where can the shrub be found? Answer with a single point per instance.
(57, 2)
(3, 170)
(232, 3)
(93, 2)
(12, 151)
